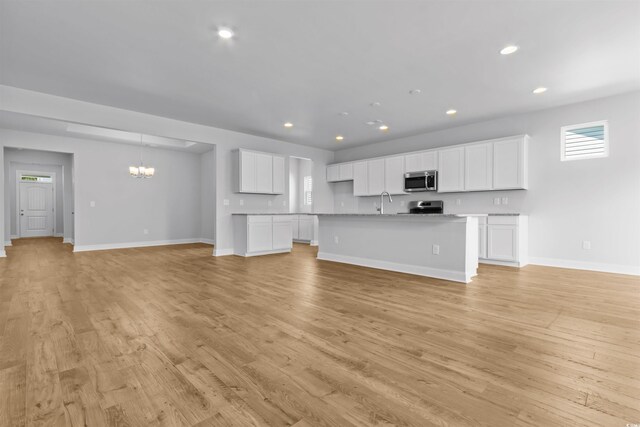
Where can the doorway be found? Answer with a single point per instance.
(36, 193)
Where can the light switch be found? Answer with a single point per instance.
(458, 201)
(225, 202)
(586, 245)
(436, 249)
(496, 201)
(505, 200)
(92, 204)
(401, 203)
(241, 202)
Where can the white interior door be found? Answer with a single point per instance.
(36, 209)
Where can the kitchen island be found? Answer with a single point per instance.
(443, 246)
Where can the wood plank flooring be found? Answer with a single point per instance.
(173, 336)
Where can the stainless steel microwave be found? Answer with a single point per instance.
(420, 181)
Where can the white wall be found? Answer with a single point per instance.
(208, 196)
(168, 205)
(43, 105)
(568, 202)
(30, 160)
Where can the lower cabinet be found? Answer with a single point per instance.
(262, 234)
(503, 240)
(304, 228)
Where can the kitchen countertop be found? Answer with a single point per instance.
(272, 213)
(377, 214)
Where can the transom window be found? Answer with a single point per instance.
(585, 141)
(36, 178)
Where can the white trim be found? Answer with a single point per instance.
(8, 243)
(54, 201)
(584, 265)
(207, 241)
(271, 252)
(437, 273)
(12, 237)
(222, 252)
(58, 235)
(109, 246)
(3, 254)
(68, 240)
(516, 264)
(313, 243)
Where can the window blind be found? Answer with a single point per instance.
(585, 141)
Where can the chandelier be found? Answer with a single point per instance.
(141, 171)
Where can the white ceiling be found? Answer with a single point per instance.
(307, 61)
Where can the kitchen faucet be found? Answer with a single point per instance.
(381, 208)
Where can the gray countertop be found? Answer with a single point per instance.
(377, 214)
(272, 213)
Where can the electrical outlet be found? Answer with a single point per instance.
(496, 201)
(401, 203)
(586, 245)
(505, 200)
(436, 249)
(336, 240)
(269, 203)
(225, 202)
(145, 231)
(284, 203)
(458, 202)
(92, 204)
(241, 202)
(342, 204)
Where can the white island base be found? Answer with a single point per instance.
(403, 243)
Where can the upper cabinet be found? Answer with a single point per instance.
(451, 170)
(424, 161)
(260, 173)
(340, 172)
(499, 164)
(510, 159)
(477, 167)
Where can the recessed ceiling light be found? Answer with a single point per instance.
(451, 112)
(339, 138)
(383, 127)
(508, 50)
(375, 104)
(288, 125)
(539, 90)
(415, 91)
(225, 33)
(344, 113)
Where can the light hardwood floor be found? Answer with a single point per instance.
(173, 336)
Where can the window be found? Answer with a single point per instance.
(585, 141)
(308, 188)
(36, 178)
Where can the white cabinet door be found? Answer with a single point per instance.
(375, 169)
(294, 227)
(429, 160)
(247, 172)
(264, 173)
(260, 235)
(413, 162)
(305, 232)
(482, 241)
(282, 233)
(478, 172)
(451, 170)
(509, 164)
(394, 175)
(502, 242)
(360, 179)
(333, 173)
(278, 175)
(346, 172)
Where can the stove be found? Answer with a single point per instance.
(426, 207)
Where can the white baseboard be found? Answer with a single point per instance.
(3, 254)
(313, 243)
(67, 240)
(58, 235)
(437, 273)
(108, 246)
(582, 265)
(222, 252)
(272, 252)
(8, 243)
(208, 241)
(504, 263)
(13, 236)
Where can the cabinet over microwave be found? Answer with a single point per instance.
(420, 181)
